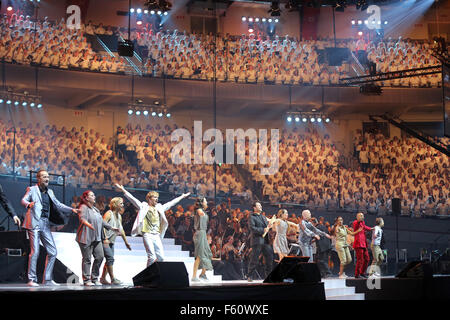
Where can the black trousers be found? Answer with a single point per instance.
(267, 252)
(322, 262)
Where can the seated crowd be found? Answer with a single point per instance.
(243, 59)
(52, 45)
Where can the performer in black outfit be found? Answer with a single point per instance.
(8, 207)
(259, 227)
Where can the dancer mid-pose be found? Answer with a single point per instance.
(281, 226)
(202, 253)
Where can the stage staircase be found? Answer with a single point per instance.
(127, 263)
(335, 289)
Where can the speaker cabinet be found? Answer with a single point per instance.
(294, 269)
(163, 275)
(396, 206)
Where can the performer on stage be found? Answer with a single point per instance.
(6, 204)
(377, 253)
(360, 246)
(341, 231)
(281, 226)
(151, 222)
(202, 253)
(114, 217)
(90, 237)
(259, 241)
(307, 233)
(43, 208)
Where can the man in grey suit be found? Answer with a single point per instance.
(43, 208)
(307, 233)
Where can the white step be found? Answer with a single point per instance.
(356, 296)
(336, 289)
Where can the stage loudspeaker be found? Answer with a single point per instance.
(294, 269)
(163, 275)
(125, 48)
(396, 207)
(335, 56)
(416, 269)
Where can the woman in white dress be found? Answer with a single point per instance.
(281, 226)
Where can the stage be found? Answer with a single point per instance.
(228, 290)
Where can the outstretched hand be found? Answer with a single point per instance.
(16, 220)
(186, 194)
(120, 187)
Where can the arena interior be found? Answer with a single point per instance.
(342, 104)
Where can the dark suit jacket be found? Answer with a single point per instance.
(324, 244)
(6, 204)
(256, 224)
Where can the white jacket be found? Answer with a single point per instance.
(143, 209)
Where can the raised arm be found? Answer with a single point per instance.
(173, 202)
(129, 196)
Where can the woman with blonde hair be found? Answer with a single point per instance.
(281, 226)
(114, 218)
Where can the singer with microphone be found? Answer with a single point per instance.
(259, 227)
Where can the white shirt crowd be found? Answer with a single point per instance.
(52, 45)
(243, 59)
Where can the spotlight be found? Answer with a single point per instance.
(168, 115)
(130, 112)
(159, 12)
(353, 22)
(256, 19)
(359, 22)
(304, 119)
(327, 120)
(270, 20)
(152, 12)
(145, 11)
(9, 8)
(153, 114)
(132, 10)
(379, 22)
(160, 114)
(8, 101)
(32, 104)
(297, 119)
(360, 33)
(319, 119)
(250, 30)
(385, 22)
(244, 19)
(39, 105)
(16, 103)
(145, 113)
(139, 22)
(276, 20)
(165, 13)
(263, 19)
(1, 100)
(24, 104)
(289, 119)
(366, 21)
(138, 112)
(139, 10)
(250, 19)
(313, 119)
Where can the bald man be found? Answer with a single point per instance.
(307, 233)
(360, 246)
